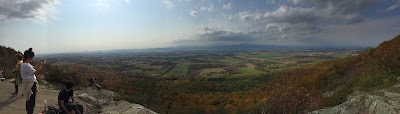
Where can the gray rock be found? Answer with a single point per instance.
(382, 102)
(101, 97)
(87, 98)
(124, 107)
(397, 86)
(102, 102)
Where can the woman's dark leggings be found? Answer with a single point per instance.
(16, 89)
(30, 104)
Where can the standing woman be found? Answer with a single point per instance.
(28, 73)
(17, 72)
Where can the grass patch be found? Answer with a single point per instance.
(211, 70)
(215, 75)
(180, 70)
(341, 55)
(231, 60)
(249, 71)
(372, 81)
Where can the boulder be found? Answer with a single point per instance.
(124, 107)
(96, 101)
(87, 98)
(380, 102)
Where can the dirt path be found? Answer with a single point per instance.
(16, 104)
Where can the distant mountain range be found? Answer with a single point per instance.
(244, 46)
(240, 47)
(247, 46)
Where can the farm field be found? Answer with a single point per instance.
(202, 64)
(198, 81)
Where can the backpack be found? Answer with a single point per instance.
(52, 110)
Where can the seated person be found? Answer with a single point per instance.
(63, 100)
(92, 82)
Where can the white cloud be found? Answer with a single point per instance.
(26, 9)
(393, 6)
(168, 4)
(210, 8)
(249, 16)
(271, 1)
(339, 6)
(193, 13)
(227, 6)
(303, 21)
(295, 15)
(208, 28)
(210, 33)
(106, 4)
(293, 20)
(228, 17)
(103, 4)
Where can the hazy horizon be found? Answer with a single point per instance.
(57, 26)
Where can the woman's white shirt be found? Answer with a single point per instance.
(27, 72)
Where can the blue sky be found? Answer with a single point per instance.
(55, 26)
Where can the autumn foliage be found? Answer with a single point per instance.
(7, 60)
(296, 90)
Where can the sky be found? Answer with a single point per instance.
(57, 26)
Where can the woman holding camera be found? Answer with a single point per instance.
(28, 74)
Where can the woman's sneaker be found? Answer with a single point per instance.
(14, 94)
